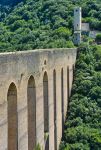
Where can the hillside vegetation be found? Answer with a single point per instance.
(35, 24)
(83, 123)
(9, 2)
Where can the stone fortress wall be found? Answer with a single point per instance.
(34, 91)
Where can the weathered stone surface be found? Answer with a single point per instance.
(17, 68)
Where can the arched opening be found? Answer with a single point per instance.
(46, 111)
(55, 110)
(68, 93)
(73, 70)
(12, 118)
(31, 97)
(62, 98)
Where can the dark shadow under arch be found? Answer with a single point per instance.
(55, 109)
(62, 98)
(12, 118)
(68, 86)
(31, 98)
(73, 68)
(46, 110)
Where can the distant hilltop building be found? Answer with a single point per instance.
(77, 25)
(81, 28)
(85, 27)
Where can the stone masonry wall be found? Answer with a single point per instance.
(17, 68)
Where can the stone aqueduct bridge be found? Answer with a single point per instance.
(34, 90)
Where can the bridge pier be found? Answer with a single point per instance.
(51, 111)
(22, 114)
(59, 110)
(39, 111)
(3, 120)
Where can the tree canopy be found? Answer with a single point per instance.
(32, 24)
(83, 122)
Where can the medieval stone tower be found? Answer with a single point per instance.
(77, 25)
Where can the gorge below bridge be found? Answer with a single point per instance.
(34, 90)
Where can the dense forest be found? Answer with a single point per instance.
(9, 2)
(32, 24)
(83, 122)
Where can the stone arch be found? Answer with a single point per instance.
(31, 100)
(62, 98)
(55, 109)
(12, 117)
(46, 110)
